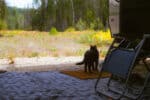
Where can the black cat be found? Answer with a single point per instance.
(91, 59)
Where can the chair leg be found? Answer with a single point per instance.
(109, 81)
(99, 77)
(125, 88)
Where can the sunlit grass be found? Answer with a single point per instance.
(19, 43)
(70, 29)
(98, 38)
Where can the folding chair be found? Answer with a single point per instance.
(120, 62)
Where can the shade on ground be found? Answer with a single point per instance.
(45, 86)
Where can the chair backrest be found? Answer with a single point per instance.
(119, 62)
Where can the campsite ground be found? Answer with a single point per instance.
(46, 86)
(33, 61)
(40, 79)
(30, 79)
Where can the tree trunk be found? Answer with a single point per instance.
(73, 12)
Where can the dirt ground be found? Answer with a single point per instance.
(32, 44)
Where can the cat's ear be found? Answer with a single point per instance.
(91, 46)
(94, 46)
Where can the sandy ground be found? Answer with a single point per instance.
(40, 64)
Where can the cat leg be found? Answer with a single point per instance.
(96, 65)
(93, 66)
(85, 67)
(89, 67)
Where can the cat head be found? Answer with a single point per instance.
(93, 47)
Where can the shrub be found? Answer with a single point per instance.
(86, 38)
(99, 38)
(53, 31)
(81, 25)
(99, 25)
(2, 25)
(70, 29)
(102, 38)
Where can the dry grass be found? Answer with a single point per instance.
(34, 43)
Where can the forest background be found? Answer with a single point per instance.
(25, 30)
(61, 14)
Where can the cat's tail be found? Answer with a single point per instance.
(80, 63)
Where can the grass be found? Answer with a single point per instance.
(20, 43)
(100, 38)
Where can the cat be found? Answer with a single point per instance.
(91, 59)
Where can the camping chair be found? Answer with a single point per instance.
(120, 62)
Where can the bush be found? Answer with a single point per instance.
(86, 38)
(53, 31)
(2, 25)
(81, 25)
(99, 24)
(70, 29)
(99, 38)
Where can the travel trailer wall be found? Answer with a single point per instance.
(129, 18)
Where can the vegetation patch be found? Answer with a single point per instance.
(99, 38)
(53, 31)
(70, 29)
(36, 43)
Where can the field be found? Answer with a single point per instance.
(20, 43)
